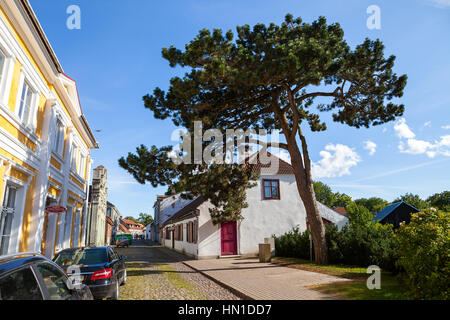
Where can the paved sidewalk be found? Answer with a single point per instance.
(264, 281)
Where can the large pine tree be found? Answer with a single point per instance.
(268, 77)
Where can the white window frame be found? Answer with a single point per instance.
(21, 192)
(73, 157)
(6, 71)
(58, 143)
(81, 165)
(30, 120)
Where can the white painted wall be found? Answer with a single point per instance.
(262, 219)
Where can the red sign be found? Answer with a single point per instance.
(55, 209)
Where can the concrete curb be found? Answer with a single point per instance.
(238, 293)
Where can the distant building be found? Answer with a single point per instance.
(114, 215)
(135, 228)
(97, 208)
(158, 220)
(341, 210)
(109, 234)
(396, 213)
(274, 208)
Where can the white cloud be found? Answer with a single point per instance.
(402, 129)
(447, 127)
(427, 124)
(439, 3)
(336, 161)
(384, 130)
(416, 146)
(371, 147)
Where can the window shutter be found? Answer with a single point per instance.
(195, 231)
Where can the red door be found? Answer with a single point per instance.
(229, 238)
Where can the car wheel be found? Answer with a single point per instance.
(124, 280)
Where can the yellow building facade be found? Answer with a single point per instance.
(45, 141)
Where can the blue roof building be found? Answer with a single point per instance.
(396, 213)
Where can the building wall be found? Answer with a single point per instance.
(30, 159)
(98, 208)
(262, 219)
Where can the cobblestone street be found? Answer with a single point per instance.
(156, 273)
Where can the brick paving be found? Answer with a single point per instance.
(264, 281)
(156, 273)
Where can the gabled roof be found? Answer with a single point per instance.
(188, 208)
(254, 162)
(332, 215)
(389, 209)
(109, 221)
(123, 228)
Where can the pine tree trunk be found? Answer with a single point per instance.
(305, 187)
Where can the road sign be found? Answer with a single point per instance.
(55, 209)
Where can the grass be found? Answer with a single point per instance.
(391, 288)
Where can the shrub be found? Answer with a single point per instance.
(294, 244)
(368, 244)
(424, 254)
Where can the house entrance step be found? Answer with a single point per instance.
(230, 257)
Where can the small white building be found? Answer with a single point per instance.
(274, 208)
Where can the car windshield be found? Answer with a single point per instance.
(81, 257)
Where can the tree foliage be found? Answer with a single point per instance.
(424, 254)
(413, 200)
(145, 219)
(325, 195)
(373, 204)
(268, 77)
(440, 200)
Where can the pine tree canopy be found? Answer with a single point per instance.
(267, 77)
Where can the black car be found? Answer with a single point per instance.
(31, 276)
(100, 268)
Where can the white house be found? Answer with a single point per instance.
(274, 208)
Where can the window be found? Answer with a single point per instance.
(2, 65)
(81, 165)
(271, 189)
(55, 282)
(167, 234)
(68, 223)
(59, 139)
(6, 218)
(81, 257)
(20, 285)
(192, 231)
(25, 111)
(73, 160)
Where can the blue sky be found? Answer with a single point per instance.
(116, 59)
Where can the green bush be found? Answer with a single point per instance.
(360, 243)
(424, 254)
(294, 244)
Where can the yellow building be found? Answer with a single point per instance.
(45, 141)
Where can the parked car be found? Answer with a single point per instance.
(122, 243)
(31, 276)
(100, 268)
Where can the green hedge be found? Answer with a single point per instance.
(424, 254)
(356, 244)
